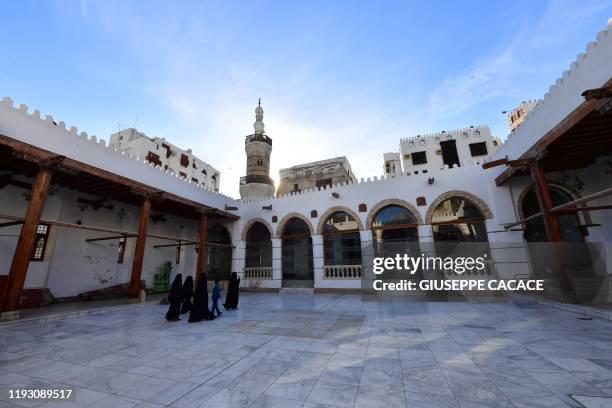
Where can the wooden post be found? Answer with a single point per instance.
(551, 223)
(201, 262)
(140, 248)
(25, 243)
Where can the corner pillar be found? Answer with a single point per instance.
(25, 243)
(140, 247)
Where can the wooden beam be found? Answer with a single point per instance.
(201, 260)
(10, 223)
(110, 238)
(93, 228)
(584, 209)
(140, 248)
(25, 244)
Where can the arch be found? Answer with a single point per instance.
(330, 211)
(478, 202)
(286, 218)
(249, 224)
(572, 192)
(221, 226)
(392, 201)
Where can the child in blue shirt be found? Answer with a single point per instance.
(216, 294)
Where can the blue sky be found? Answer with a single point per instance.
(335, 77)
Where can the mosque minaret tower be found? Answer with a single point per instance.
(257, 182)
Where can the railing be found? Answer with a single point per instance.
(342, 272)
(256, 178)
(258, 273)
(258, 138)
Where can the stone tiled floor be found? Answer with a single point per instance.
(299, 350)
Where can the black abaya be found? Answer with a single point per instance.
(174, 298)
(187, 294)
(199, 310)
(233, 292)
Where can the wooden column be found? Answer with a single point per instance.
(551, 223)
(201, 262)
(25, 244)
(140, 248)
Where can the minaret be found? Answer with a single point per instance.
(257, 182)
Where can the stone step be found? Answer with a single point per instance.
(296, 290)
(293, 283)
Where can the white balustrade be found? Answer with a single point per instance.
(342, 272)
(258, 273)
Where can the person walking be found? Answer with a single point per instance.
(216, 294)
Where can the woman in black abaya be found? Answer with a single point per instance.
(187, 294)
(174, 298)
(233, 292)
(199, 310)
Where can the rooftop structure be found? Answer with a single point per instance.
(423, 153)
(162, 153)
(322, 173)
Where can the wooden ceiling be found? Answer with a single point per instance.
(17, 158)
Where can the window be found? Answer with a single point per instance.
(121, 250)
(419, 158)
(324, 182)
(168, 151)
(341, 240)
(184, 160)
(193, 164)
(258, 252)
(478, 149)
(184, 175)
(195, 180)
(40, 245)
(388, 167)
(153, 158)
(296, 187)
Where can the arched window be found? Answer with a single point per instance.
(341, 241)
(455, 221)
(218, 253)
(458, 219)
(258, 247)
(297, 260)
(569, 223)
(395, 223)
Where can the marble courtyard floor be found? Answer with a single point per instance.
(301, 350)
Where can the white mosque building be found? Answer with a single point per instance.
(80, 218)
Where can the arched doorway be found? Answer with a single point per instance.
(341, 246)
(297, 264)
(575, 252)
(534, 229)
(218, 253)
(258, 254)
(455, 222)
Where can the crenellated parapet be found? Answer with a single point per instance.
(55, 136)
